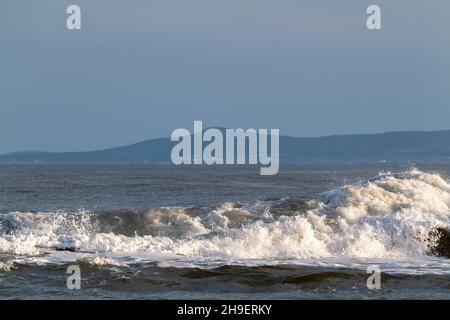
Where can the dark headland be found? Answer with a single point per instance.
(411, 146)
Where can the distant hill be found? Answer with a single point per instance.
(391, 146)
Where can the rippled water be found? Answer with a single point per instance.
(222, 232)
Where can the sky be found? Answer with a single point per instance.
(140, 69)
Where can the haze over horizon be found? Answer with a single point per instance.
(282, 135)
(137, 71)
(114, 145)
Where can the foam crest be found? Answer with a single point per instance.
(392, 216)
(7, 266)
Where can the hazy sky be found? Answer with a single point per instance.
(139, 69)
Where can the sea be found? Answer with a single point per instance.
(223, 232)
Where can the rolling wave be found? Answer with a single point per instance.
(394, 216)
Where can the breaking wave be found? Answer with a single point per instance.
(392, 216)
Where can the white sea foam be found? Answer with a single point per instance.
(7, 266)
(389, 217)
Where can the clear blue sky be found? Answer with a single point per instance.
(139, 69)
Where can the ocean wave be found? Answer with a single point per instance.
(7, 266)
(392, 216)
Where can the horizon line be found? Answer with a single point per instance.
(225, 128)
